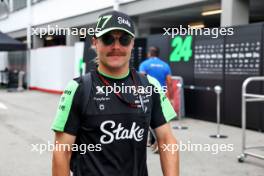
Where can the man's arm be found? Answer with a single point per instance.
(61, 157)
(169, 159)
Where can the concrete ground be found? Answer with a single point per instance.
(26, 117)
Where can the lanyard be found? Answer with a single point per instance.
(119, 96)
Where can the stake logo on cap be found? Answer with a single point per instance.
(114, 20)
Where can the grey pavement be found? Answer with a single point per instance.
(26, 117)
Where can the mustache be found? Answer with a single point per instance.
(116, 53)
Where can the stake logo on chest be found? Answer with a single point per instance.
(118, 132)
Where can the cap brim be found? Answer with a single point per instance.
(100, 33)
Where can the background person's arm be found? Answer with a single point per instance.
(169, 84)
(61, 157)
(169, 158)
(169, 88)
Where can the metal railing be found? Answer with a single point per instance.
(249, 97)
(181, 108)
(218, 90)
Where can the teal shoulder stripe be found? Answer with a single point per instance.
(64, 106)
(167, 109)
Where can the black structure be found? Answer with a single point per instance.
(243, 53)
(226, 61)
(139, 52)
(208, 72)
(9, 44)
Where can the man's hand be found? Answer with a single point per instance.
(169, 159)
(61, 156)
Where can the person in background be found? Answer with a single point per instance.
(160, 70)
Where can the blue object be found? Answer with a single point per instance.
(156, 68)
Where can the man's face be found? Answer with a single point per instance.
(114, 55)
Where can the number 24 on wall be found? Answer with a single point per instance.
(182, 48)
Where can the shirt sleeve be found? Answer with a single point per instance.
(162, 110)
(68, 117)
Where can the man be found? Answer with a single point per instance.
(155, 67)
(114, 126)
(160, 70)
